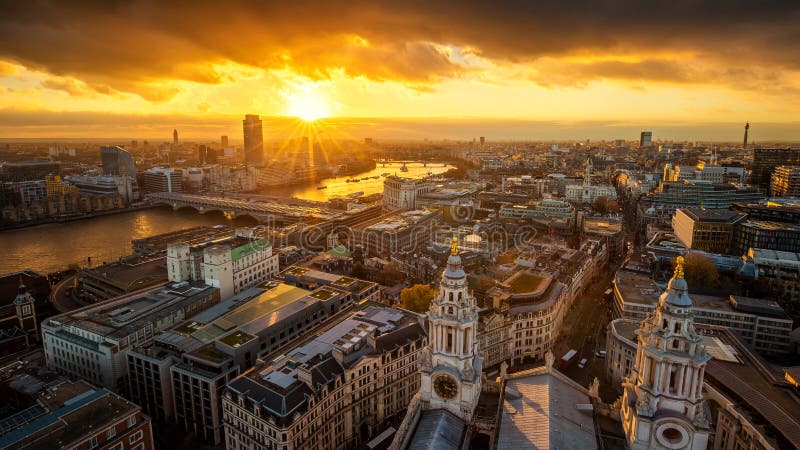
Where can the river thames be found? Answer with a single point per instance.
(51, 247)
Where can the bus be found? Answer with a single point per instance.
(567, 359)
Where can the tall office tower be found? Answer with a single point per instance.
(175, 136)
(646, 139)
(483, 141)
(223, 141)
(765, 160)
(253, 139)
(117, 161)
(746, 129)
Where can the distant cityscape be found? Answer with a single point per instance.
(632, 294)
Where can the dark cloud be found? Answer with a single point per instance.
(130, 45)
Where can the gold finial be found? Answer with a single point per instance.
(454, 248)
(679, 267)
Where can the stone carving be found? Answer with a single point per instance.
(594, 388)
(503, 370)
(468, 372)
(425, 359)
(643, 407)
(549, 359)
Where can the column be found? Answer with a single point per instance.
(681, 376)
(657, 383)
(699, 390)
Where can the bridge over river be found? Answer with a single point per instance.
(263, 211)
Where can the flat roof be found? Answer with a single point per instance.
(712, 215)
(136, 271)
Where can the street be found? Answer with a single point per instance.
(584, 329)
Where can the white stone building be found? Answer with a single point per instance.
(401, 193)
(587, 192)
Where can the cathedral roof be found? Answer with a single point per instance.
(454, 269)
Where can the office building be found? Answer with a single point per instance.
(646, 139)
(709, 230)
(162, 179)
(778, 273)
(546, 209)
(773, 210)
(223, 141)
(400, 232)
(334, 390)
(75, 415)
(230, 263)
(785, 182)
(91, 343)
(109, 186)
(765, 160)
(126, 275)
(193, 362)
(672, 195)
(307, 278)
(117, 161)
(253, 140)
(401, 193)
(764, 234)
(175, 136)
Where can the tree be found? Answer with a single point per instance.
(417, 298)
(600, 204)
(699, 271)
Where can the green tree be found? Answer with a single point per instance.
(699, 271)
(600, 205)
(390, 275)
(417, 298)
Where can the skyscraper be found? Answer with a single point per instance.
(646, 139)
(175, 136)
(223, 141)
(253, 139)
(117, 161)
(746, 129)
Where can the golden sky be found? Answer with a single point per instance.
(648, 63)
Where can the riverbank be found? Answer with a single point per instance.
(74, 218)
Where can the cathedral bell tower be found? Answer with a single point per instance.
(451, 363)
(662, 404)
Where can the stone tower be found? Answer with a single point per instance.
(25, 306)
(662, 404)
(451, 363)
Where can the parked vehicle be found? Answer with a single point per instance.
(582, 364)
(601, 354)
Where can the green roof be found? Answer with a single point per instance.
(248, 249)
(237, 338)
(339, 250)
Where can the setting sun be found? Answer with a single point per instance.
(307, 104)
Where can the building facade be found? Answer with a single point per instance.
(335, 391)
(709, 230)
(253, 139)
(401, 193)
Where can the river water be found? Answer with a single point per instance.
(51, 247)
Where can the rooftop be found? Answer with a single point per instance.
(59, 425)
(542, 410)
(121, 316)
(278, 385)
(131, 273)
(712, 215)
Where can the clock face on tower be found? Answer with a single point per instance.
(445, 386)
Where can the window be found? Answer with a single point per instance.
(131, 421)
(110, 433)
(117, 446)
(135, 437)
(93, 442)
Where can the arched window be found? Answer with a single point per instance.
(451, 296)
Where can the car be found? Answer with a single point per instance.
(601, 354)
(582, 364)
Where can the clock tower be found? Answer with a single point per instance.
(451, 363)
